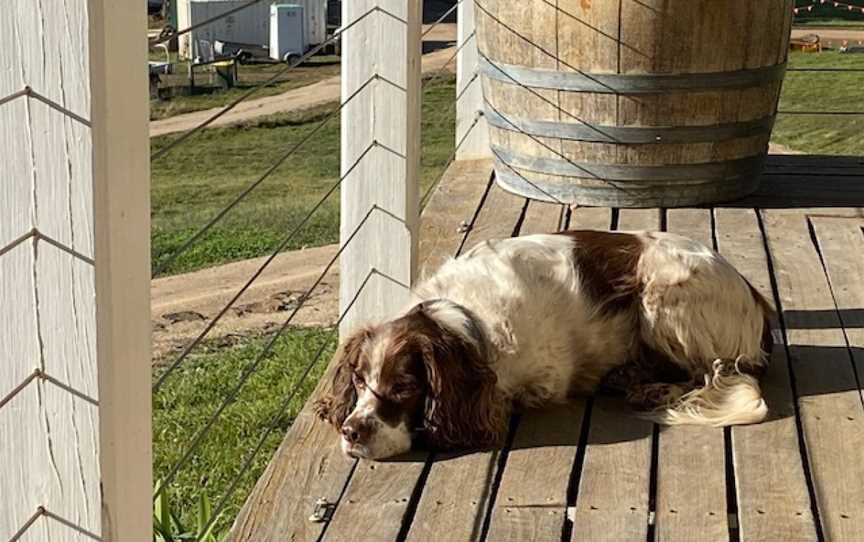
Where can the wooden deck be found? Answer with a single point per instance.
(590, 471)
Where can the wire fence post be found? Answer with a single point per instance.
(74, 273)
(468, 88)
(385, 48)
(121, 223)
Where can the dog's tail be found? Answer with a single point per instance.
(729, 397)
(731, 394)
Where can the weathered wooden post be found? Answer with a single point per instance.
(470, 104)
(380, 156)
(74, 272)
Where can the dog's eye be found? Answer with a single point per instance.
(402, 389)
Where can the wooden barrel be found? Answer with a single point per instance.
(631, 103)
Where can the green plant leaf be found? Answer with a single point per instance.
(162, 510)
(203, 513)
(160, 535)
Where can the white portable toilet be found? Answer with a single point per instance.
(287, 35)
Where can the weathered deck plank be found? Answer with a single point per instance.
(590, 218)
(531, 503)
(829, 402)
(458, 488)
(542, 218)
(284, 497)
(688, 510)
(376, 499)
(771, 488)
(613, 496)
(451, 211)
(841, 242)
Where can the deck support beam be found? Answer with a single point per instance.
(380, 156)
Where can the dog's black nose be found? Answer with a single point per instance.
(350, 434)
(355, 431)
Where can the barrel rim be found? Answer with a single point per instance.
(704, 171)
(614, 196)
(612, 83)
(599, 133)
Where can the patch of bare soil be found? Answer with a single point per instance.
(182, 306)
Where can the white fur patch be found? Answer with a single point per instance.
(454, 318)
(384, 441)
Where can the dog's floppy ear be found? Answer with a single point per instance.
(463, 409)
(338, 401)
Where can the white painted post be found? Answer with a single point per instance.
(75, 455)
(470, 104)
(380, 155)
(121, 185)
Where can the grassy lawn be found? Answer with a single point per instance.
(817, 22)
(828, 91)
(207, 95)
(194, 392)
(196, 180)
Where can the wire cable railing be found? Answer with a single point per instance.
(441, 19)
(444, 69)
(283, 409)
(263, 267)
(184, 354)
(206, 22)
(271, 80)
(227, 13)
(823, 112)
(189, 243)
(232, 394)
(424, 200)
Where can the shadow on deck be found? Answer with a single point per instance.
(590, 470)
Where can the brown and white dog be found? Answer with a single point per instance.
(536, 320)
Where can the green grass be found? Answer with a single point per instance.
(194, 392)
(827, 22)
(825, 14)
(200, 177)
(207, 95)
(828, 91)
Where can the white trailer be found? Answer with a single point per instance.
(250, 25)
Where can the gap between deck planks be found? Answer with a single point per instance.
(828, 397)
(458, 489)
(771, 488)
(688, 508)
(612, 502)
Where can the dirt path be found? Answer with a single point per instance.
(182, 305)
(834, 35)
(322, 92)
